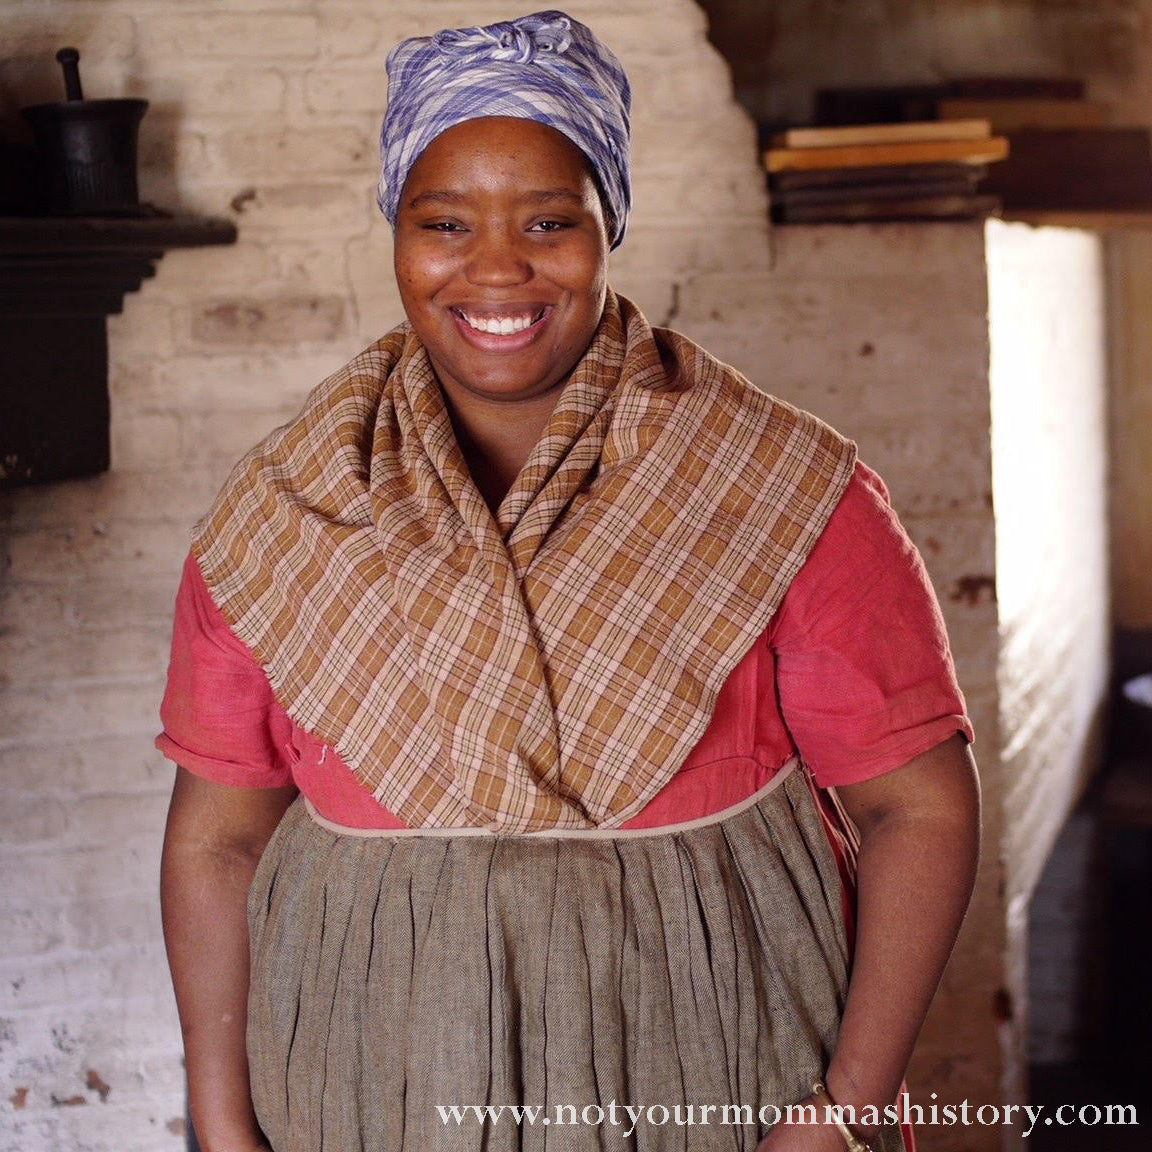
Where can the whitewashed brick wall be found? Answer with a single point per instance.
(268, 113)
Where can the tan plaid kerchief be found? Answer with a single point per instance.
(549, 667)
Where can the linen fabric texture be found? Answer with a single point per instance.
(551, 666)
(545, 67)
(704, 966)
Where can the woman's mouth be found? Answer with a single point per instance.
(505, 324)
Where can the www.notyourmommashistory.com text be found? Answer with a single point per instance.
(628, 1117)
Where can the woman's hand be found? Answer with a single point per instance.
(819, 1137)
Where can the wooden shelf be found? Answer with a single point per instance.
(60, 278)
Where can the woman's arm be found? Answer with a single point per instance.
(919, 840)
(212, 843)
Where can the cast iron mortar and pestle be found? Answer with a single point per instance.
(86, 150)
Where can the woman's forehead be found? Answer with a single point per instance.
(492, 148)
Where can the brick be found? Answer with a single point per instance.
(142, 330)
(307, 209)
(320, 268)
(144, 440)
(37, 33)
(637, 35)
(32, 659)
(281, 36)
(61, 503)
(144, 1020)
(959, 553)
(74, 978)
(289, 152)
(121, 818)
(137, 597)
(102, 552)
(52, 714)
(210, 435)
(244, 266)
(59, 876)
(91, 501)
(252, 381)
(146, 1126)
(344, 91)
(677, 192)
(31, 819)
(29, 929)
(853, 251)
(168, 144)
(121, 919)
(374, 288)
(110, 763)
(667, 249)
(206, 92)
(931, 470)
(349, 34)
(254, 320)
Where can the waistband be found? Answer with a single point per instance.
(751, 801)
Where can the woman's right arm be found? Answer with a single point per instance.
(212, 844)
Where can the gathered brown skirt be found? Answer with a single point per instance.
(631, 978)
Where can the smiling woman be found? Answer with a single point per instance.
(509, 685)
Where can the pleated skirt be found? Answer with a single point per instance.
(619, 983)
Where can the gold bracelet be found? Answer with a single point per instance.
(832, 1111)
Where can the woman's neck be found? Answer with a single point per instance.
(497, 437)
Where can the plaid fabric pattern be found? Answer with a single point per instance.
(545, 67)
(551, 666)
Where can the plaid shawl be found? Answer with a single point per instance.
(551, 666)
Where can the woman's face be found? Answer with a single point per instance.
(501, 255)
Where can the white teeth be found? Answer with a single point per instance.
(498, 325)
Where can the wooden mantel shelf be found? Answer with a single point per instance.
(60, 278)
(82, 265)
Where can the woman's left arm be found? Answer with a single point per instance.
(919, 841)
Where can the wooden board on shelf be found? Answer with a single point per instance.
(909, 208)
(846, 193)
(910, 174)
(851, 134)
(1014, 115)
(875, 155)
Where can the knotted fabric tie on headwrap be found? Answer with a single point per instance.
(546, 67)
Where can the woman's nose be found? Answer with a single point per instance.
(497, 259)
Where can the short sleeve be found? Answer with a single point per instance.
(863, 670)
(221, 720)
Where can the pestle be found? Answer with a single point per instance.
(69, 60)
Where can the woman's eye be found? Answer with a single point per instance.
(448, 226)
(549, 226)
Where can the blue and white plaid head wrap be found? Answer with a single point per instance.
(545, 67)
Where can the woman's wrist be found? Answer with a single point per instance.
(862, 1111)
(835, 1115)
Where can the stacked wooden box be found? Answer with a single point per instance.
(928, 170)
